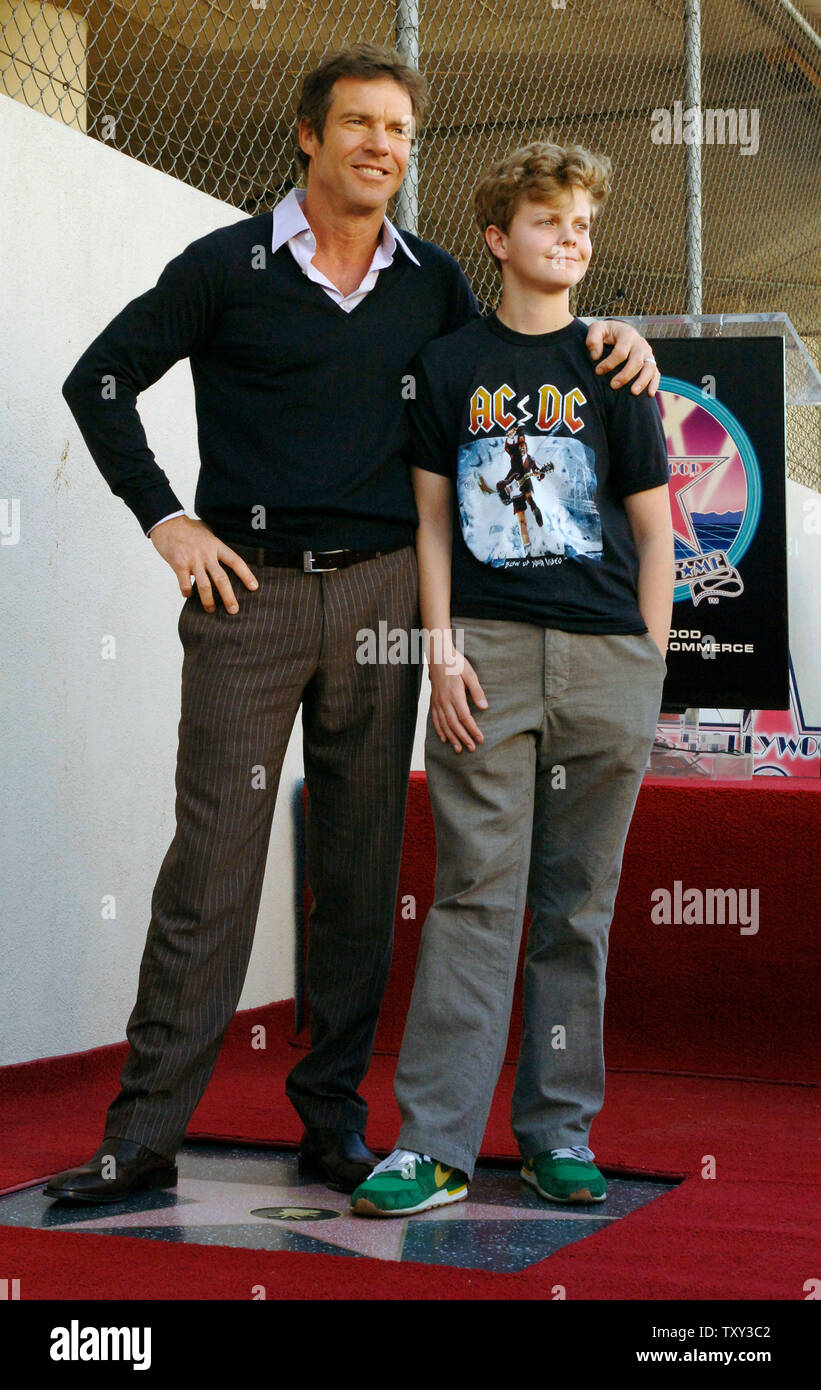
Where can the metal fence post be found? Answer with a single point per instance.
(692, 151)
(407, 45)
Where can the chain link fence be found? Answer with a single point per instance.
(207, 92)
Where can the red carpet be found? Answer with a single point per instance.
(703, 999)
(747, 1234)
(680, 999)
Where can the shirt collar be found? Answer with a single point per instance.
(289, 220)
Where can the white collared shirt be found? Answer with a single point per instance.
(290, 224)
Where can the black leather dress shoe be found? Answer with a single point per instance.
(337, 1156)
(135, 1167)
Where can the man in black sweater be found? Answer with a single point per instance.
(309, 314)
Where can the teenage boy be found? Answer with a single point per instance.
(565, 626)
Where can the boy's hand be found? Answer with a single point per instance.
(627, 344)
(450, 684)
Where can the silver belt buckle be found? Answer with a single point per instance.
(309, 567)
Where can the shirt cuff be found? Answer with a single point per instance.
(164, 518)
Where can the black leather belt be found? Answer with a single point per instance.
(310, 561)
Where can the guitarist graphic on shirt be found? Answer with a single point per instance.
(516, 487)
(560, 521)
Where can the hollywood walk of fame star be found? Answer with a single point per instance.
(209, 1204)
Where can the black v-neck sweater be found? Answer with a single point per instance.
(301, 406)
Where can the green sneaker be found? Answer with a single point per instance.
(565, 1175)
(407, 1182)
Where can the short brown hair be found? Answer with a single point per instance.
(365, 60)
(532, 173)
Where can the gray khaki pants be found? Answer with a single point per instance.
(538, 813)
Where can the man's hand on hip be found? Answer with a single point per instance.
(629, 347)
(191, 548)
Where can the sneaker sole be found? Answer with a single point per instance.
(582, 1195)
(443, 1198)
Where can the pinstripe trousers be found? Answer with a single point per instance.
(244, 676)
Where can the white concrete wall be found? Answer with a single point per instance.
(89, 743)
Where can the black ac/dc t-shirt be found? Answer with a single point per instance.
(542, 453)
